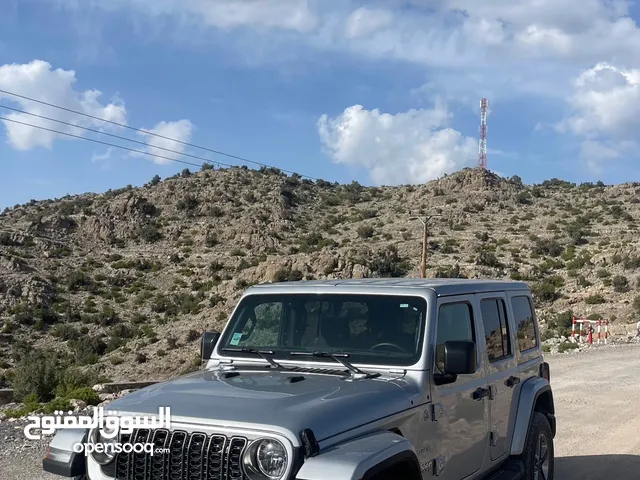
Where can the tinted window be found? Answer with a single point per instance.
(455, 322)
(496, 329)
(523, 319)
(370, 328)
(265, 331)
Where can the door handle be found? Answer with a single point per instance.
(511, 381)
(480, 393)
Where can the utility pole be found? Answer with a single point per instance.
(425, 241)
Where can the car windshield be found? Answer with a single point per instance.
(371, 329)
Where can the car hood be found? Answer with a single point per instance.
(328, 404)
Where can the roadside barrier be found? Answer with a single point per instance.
(588, 327)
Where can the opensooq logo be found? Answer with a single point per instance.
(110, 424)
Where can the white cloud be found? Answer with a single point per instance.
(175, 132)
(606, 100)
(598, 155)
(38, 80)
(102, 157)
(287, 14)
(605, 113)
(294, 15)
(410, 147)
(466, 48)
(530, 46)
(365, 21)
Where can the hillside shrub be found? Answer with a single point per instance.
(620, 284)
(388, 263)
(595, 299)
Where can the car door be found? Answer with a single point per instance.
(461, 411)
(501, 368)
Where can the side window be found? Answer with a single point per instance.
(455, 322)
(496, 328)
(523, 319)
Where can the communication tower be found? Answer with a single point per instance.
(482, 147)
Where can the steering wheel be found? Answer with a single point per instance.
(387, 344)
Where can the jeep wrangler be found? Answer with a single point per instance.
(376, 379)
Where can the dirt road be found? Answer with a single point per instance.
(597, 397)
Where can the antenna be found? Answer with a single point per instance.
(482, 147)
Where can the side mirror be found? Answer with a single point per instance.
(207, 344)
(460, 358)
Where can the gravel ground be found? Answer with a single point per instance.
(597, 397)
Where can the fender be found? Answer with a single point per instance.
(61, 459)
(360, 458)
(530, 391)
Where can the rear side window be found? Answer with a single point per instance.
(523, 319)
(496, 328)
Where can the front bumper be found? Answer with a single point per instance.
(61, 459)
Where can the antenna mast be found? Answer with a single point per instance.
(482, 147)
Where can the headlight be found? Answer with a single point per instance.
(266, 459)
(103, 451)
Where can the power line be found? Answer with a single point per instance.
(113, 135)
(104, 143)
(147, 132)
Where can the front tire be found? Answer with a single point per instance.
(538, 456)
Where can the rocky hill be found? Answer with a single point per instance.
(121, 283)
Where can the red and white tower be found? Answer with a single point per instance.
(482, 147)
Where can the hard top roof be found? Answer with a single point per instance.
(441, 286)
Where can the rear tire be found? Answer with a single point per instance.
(538, 455)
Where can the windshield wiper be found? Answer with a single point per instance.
(355, 371)
(262, 353)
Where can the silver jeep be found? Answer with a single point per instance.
(348, 379)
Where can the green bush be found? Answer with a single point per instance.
(86, 394)
(488, 259)
(545, 291)
(31, 404)
(620, 284)
(567, 346)
(594, 299)
(65, 332)
(563, 320)
(60, 404)
(548, 246)
(450, 271)
(547, 335)
(388, 263)
(583, 282)
(37, 373)
(286, 275)
(72, 379)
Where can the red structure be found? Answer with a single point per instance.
(482, 147)
(588, 324)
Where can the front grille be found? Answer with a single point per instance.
(186, 456)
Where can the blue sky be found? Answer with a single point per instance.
(378, 92)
